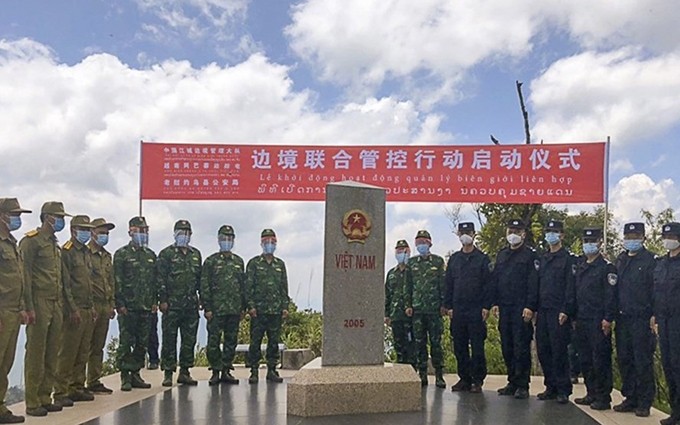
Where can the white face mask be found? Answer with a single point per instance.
(465, 239)
(514, 239)
(671, 244)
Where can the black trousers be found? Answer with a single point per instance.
(635, 344)
(516, 335)
(595, 355)
(669, 341)
(552, 340)
(468, 332)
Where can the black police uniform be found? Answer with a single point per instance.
(468, 281)
(556, 280)
(635, 342)
(667, 314)
(595, 301)
(516, 288)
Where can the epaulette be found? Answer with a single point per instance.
(68, 245)
(32, 233)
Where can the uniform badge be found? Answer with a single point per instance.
(612, 278)
(573, 269)
(537, 265)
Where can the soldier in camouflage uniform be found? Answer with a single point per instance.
(76, 336)
(12, 313)
(397, 283)
(179, 280)
(134, 274)
(104, 306)
(43, 297)
(426, 304)
(223, 298)
(267, 304)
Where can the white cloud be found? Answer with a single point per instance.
(638, 191)
(622, 165)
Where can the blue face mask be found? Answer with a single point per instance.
(552, 238)
(82, 236)
(590, 248)
(632, 245)
(14, 222)
(182, 239)
(268, 247)
(225, 245)
(402, 257)
(423, 248)
(58, 225)
(102, 239)
(140, 239)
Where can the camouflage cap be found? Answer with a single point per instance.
(634, 228)
(268, 233)
(401, 244)
(515, 223)
(54, 208)
(671, 229)
(81, 221)
(11, 205)
(183, 225)
(226, 230)
(466, 227)
(423, 234)
(100, 222)
(592, 233)
(138, 221)
(554, 225)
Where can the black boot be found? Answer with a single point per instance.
(215, 378)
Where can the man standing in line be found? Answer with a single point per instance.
(468, 301)
(427, 307)
(103, 298)
(43, 297)
(516, 295)
(267, 302)
(223, 298)
(179, 280)
(134, 274)
(12, 312)
(397, 284)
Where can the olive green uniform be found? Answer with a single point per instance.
(102, 296)
(397, 284)
(43, 295)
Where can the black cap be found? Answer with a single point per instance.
(671, 229)
(554, 225)
(592, 233)
(634, 228)
(466, 227)
(516, 223)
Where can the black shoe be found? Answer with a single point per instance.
(9, 418)
(81, 396)
(185, 378)
(152, 366)
(574, 380)
(137, 382)
(600, 405)
(625, 406)
(642, 412)
(423, 379)
(671, 420)
(476, 388)
(562, 398)
(63, 401)
(521, 394)
(36, 411)
(584, 401)
(228, 378)
(507, 390)
(461, 386)
(99, 388)
(547, 395)
(273, 376)
(215, 378)
(52, 407)
(167, 378)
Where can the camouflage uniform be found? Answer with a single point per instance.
(267, 293)
(223, 295)
(134, 272)
(427, 299)
(11, 301)
(179, 279)
(43, 296)
(103, 298)
(397, 283)
(76, 336)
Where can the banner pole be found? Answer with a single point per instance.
(141, 143)
(606, 194)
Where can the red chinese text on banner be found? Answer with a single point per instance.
(548, 173)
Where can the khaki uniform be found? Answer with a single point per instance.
(102, 296)
(43, 295)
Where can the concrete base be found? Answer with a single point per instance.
(343, 390)
(296, 358)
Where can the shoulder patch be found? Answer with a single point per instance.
(32, 233)
(68, 245)
(612, 278)
(537, 264)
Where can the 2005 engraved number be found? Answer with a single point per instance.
(354, 323)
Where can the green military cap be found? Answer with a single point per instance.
(401, 244)
(100, 222)
(138, 221)
(183, 225)
(81, 221)
(11, 205)
(268, 233)
(54, 208)
(423, 234)
(226, 230)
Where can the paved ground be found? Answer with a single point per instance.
(266, 404)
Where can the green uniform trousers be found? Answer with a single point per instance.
(73, 355)
(428, 326)
(42, 346)
(8, 347)
(218, 326)
(100, 331)
(186, 321)
(271, 325)
(134, 337)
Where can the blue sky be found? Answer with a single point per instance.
(81, 82)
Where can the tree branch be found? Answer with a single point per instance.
(525, 114)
